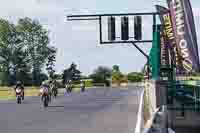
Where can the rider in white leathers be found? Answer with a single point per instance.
(44, 88)
(82, 85)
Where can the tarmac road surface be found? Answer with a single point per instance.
(98, 110)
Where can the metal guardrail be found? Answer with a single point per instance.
(158, 122)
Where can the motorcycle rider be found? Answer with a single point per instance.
(20, 85)
(45, 85)
(69, 86)
(82, 85)
(50, 84)
(53, 86)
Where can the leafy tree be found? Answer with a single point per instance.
(4, 79)
(23, 52)
(57, 76)
(66, 76)
(101, 74)
(42, 77)
(50, 63)
(135, 77)
(117, 76)
(72, 73)
(76, 74)
(13, 57)
(84, 77)
(5, 50)
(116, 68)
(35, 40)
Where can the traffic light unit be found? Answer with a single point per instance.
(111, 29)
(138, 27)
(124, 28)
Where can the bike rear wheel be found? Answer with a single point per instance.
(55, 94)
(18, 100)
(45, 102)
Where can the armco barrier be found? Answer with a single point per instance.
(158, 122)
(154, 118)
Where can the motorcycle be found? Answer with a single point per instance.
(69, 88)
(55, 92)
(45, 96)
(19, 95)
(82, 88)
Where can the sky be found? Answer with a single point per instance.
(78, 41)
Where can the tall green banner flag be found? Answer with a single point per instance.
(154, 57)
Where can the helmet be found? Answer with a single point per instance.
(44, 83)
(19, 83)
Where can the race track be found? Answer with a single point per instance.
(98, 110)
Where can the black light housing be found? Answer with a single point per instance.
(124, 28)
(138, 27)
(111, 29)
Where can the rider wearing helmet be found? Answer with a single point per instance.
(69, 86)
(53, 87)
(50, 83)
(45, 84)
(82, 85)
(20, 85)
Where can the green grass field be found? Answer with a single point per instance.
(7, 93)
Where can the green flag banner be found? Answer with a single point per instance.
(154, 57)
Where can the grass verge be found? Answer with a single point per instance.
(79, 89)
(7, 93)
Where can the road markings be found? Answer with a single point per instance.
(139, 115)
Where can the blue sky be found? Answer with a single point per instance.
(78, 41)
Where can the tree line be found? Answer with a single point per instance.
(24, 52)
(102, 74)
